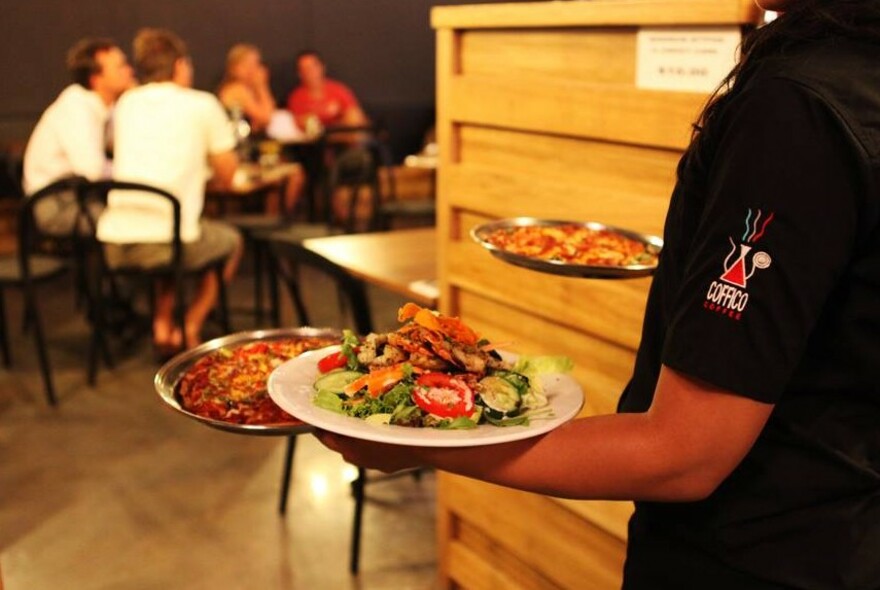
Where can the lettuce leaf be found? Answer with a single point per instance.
(461, 423)
(350, 342)
(532, 367)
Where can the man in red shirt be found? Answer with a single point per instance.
(332, 102)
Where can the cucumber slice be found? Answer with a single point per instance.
(499, 397)
(335, 381)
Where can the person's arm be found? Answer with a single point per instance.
(786, 163)
(257, 104)
(221, 145)
(297, 108)
(689, 441)
(262, 102)
(352, 116)
(224, 165)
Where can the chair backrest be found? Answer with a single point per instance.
(353, 289)
(31, 237)
(11, 174)
(365, 173)
(123, 189)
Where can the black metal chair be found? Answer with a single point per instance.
(254, 227)
(353, 158)
(28, 269)
(421, 211)
(173, 270)
(288, 257)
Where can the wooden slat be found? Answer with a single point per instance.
(448, 56)
(612, 517)
(605, 167)
(611, 310)
(508, 173)
(446, 533)
(479, 563)
(602, 369)
(596, 13)
(577, 109)
(605, 56)
(576, 555)
(521, 192)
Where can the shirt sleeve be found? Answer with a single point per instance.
(220, 136)
(346, 97)
(295, 103)
(776, 233)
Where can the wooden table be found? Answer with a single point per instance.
(251, 180)
(403, 261)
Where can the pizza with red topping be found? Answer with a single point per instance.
(229, 384)
(573, 244)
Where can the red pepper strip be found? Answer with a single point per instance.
(332, 361)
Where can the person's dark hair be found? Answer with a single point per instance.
(804, 22)
(155, 53)
(308, 53)
(82, 59)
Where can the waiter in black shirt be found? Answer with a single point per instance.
(749, 435)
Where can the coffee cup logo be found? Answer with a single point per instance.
(728, 294)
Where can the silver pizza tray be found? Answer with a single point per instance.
(653, 244)
(168, 377)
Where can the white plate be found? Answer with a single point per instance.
(291, 387)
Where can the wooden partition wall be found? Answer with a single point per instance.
(539, 115)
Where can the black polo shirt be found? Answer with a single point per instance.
(769, 287)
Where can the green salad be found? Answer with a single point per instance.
(432, 372)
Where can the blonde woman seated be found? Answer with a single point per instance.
(245, 87)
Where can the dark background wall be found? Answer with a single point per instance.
(384, 49)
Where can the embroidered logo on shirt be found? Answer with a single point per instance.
(728, 295)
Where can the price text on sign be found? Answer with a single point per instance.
(685, 59)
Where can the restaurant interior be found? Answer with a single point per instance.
(446, 116)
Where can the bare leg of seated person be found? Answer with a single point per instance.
(294, 189)
(203, 303)
(278, 203)
(206, 296)
(165, 335)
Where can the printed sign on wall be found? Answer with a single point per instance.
(685, 59)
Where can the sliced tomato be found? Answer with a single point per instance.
(332, 361)
(443, 395)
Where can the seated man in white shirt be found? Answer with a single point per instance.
(69, 139)
(170, 136)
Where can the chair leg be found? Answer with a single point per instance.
(360, 307)
(151, 306)
(97, 343)
(285, 474)
(357, 488)
(257, 247)
(42, 354)
(4, 339)
(180, 309)
(375, 222)
(223, 301)
(292, 282)
(274, 300)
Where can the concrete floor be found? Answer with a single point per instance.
(111, 490)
